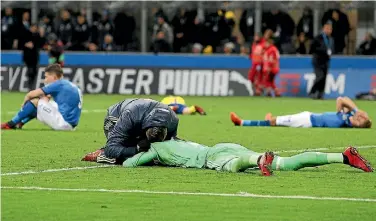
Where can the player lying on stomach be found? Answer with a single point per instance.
(236, 158)
(177, 104)
(347, 115)
(61, 114)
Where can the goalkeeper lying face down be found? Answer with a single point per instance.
(236, 158)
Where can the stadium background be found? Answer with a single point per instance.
(42, 175)
(132, 26)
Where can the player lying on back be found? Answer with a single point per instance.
(61, 114)
(177, 104)
(236, 158)
(347, 115)
(130, 122)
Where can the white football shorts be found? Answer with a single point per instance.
(302, 119)
(48, 113)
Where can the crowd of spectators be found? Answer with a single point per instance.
(185, 32)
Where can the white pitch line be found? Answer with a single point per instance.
(82, 111)
(100, 166)
(54, 170)
(241, 194)
(321, 149)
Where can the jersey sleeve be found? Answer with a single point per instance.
(121, 133)
(51, 88)
(140, 159)
(173, 129)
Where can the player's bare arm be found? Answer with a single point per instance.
(33, 94)
(345, 104)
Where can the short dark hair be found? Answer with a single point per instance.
(54, 68)
(367, 124)
(156, 134)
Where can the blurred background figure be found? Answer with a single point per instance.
(108, 44)
(305, 24)
(31, 45)
(124, 27)
(8, 25)
(161, 43)
(102, 26)
(55, 49)
(247, 22)
(65, 29)
(163, 35)
(228, 48)
(208, 50)
(341, 28)
(368, 46)
(282, 25)
(183, 25)
(270, 68)
(256, 56)
(369, 96)
(22, 32)
(46, 27)
(244, 50)
(198, 32)
(80, 35)
(226, 22)
(321, 50)
(301, 46)
(197, 48)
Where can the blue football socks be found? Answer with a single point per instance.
(256, 123)
(28, 112)
(27, 119)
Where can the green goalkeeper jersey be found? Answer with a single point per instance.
(172, 153)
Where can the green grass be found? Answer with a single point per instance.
(38, 148)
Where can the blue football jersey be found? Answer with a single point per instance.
(331, 119)
(69, 99)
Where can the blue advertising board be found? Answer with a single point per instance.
(347, 75)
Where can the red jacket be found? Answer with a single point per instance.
(271, 59)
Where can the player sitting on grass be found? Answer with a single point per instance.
(177, 104)
(347, 115)
(130, 122)
(236, 158)
(61, 114)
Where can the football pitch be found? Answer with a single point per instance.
(43, 178)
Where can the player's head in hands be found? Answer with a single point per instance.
(361, 120)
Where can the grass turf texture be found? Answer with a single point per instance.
(38, 148)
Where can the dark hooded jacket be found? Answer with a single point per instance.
(135, 116)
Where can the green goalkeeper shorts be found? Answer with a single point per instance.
(220, 154)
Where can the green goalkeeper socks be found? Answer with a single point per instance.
(242, 163)
(308, 159)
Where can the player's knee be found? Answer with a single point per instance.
(35, 101)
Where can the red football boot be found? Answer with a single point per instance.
(235, 119)
(353, 158)
(5, 126)
(265, 163)
(92, 157)
(200, 110)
